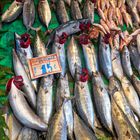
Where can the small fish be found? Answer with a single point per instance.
(102, 101)
(81, 131)
(27, 134)
(138, 43)
(75, 10)
(12, 12)
(74, 61)
(105, 58)
(61, 12)
(126, 62)
(88, 10)
(28, 13)
(44, 12)
(20, 107)
(27, 88)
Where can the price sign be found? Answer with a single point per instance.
(42, 66)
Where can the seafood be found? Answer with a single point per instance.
(138, 43)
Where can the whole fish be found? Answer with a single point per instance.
(116, 63)
(74, 61)
(131, 95)
(14, 127)
(90, 58)
(20, 107)
(84, 103)
(28, 13)
(105, 58)
(24, 53)
(126, 62)
(102, 101)
(88, 10)
(61, 12)
(75, 10)
(44, 12)
(63, 92)
(27, 88)
(117, 94)
(134, 55)
(81, 131)
(138, 43)
(57, 129)
(13, 11)
(27, 134)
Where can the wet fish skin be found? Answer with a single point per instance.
(102, 101)
(28, 134)
(126, 62)
(44, 12)
(84, 103)
(105, 59)
(61, 12)
(88, 10)
(63, 90)
(81, 131)
(23, 112)
(12, 12)
(27, 87)
(28, 13)
(75, 10)
(138, 43)
(74, 61)
(90, 58)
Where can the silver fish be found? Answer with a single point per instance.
(61, 12)
(22, 110)
(102, 101)
(75, 10)
(28, 13)
(12, 12)
(90, 58)
(88, 10)
(131, 95)
(27, 88)
(138, 43)
(105, 58)
(84, 103)
(126, 62)
(44, 12)
(63, 92)
(134, 55)
(81, 131)
(74, 60)
(28, 134)
(57, 129)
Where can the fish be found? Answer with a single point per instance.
(90, 58)
(138, 43)
(84, 103)
(20, 107)
(81, 130)
(14, 10)
(134, 56)
(62, 93)
(44, 12)
(74, 60)
(28, 134)
(75, 10)
(28, 13)
(61, 12)
(14, 126)
(68, 2)
(131, 95)
(105, 58)
(57, 129)
(25, 53)
(126, 64)
(27, 88)
(117, 94)
(88, 10)
(102, 101)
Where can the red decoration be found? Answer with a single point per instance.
(84, 76)
(106, 38)
(25, 40)
(63, 38)
(84, 39)
(85, 26)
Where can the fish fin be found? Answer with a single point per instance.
(35, 29)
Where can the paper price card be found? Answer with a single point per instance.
(42, 66)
